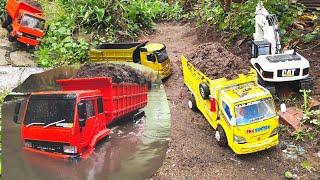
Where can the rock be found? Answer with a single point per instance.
(3, 61)
(291, 118)
(21, 58)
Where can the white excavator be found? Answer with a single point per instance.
(272, 63)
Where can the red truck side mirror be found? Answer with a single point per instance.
(16, 112)
(82, 115)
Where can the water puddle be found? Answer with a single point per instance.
(134, 150)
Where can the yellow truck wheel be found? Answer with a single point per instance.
(204, 91)
(192, 104)
(221, 137)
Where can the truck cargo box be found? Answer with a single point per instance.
(119, 99)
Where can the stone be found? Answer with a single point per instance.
(291, 118)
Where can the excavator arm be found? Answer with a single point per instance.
(266, 28)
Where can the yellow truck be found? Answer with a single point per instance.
(241, 111)
(152, 55)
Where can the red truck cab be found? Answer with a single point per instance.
(69, 123)
(24, 22)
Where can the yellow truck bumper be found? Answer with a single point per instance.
(255, 146)
(165, 72)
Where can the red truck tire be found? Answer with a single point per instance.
(6, 20)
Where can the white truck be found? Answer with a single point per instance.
(272, 63)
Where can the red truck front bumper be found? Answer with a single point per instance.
(28, 41)
(53, 155)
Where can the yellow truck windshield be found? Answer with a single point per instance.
(162, 55)
(254, 111)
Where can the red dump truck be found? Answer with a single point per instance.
(24, 21)
(68, 123)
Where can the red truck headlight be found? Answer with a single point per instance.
(70, 149)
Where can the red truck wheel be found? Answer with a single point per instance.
(221, 137)
(6, 20)
(10, 38)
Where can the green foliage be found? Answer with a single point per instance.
(74, 25)
(239, 21)
(288, 174)
(311, 119)
(2, 6)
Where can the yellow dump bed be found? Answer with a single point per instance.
(115, 52)
(193, 77)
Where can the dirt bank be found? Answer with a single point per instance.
(215, 61)
(193, 153)
(118, 72)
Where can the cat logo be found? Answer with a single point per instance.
(288, 73)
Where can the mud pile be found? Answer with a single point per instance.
(215, 61)
(118, 72)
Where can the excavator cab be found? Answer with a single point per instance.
(259, 48)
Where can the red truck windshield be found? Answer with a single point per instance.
(32, 22)
(50, 110)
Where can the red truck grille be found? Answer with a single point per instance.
(29, 36)
(47, 146)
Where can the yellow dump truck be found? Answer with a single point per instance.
(152, 55)
(241, 111)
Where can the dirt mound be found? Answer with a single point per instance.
(33, 3)
(215, 61)
(118, 72)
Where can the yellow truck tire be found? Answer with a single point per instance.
(204, 91)
(192, 104)
(221, 137)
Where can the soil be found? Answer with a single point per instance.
(193, 152)
(118, 72)
(215, 61)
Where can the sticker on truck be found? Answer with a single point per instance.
(256, 130)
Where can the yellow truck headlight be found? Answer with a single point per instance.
(70, 149)
(239, 140)
(275, 131)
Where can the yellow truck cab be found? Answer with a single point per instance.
(241, 111)
(152, 55)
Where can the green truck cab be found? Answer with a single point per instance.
(152, 55)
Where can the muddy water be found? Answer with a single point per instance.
(135, 150)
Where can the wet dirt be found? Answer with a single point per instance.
(13, 53)
(193, 152)
(118, 72)
(135, 149)
(215, 61)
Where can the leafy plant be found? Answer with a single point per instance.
(311, 119)
(74, 25)
(239, 21)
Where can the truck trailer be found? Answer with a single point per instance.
(152, 55)
(68, 123)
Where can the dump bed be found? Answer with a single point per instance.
(119, 99)
(115, 52)
(193, 77)
(13, 7)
